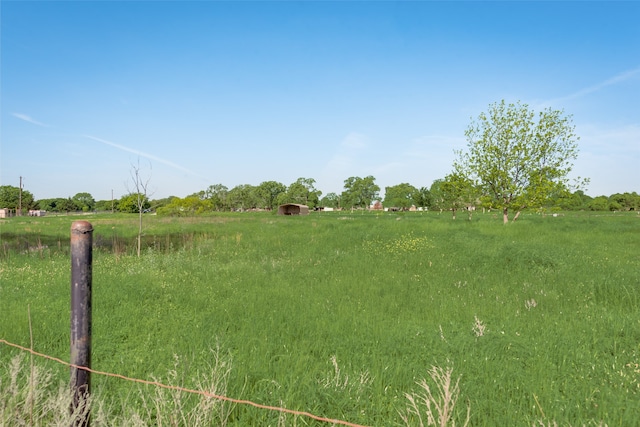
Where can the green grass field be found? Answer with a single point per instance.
(340, 314)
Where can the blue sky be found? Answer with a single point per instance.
(212, 92)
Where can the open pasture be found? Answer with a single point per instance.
(340, 314)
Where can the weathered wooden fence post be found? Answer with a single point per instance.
(81, 270)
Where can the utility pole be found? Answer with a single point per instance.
(20, 199)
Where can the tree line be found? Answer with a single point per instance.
(515, 160)
(361, 193)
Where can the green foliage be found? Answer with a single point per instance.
(303, 192)
(401, 196)
(423, 197)
(10, 198)
(106, 205)
(570, 202)
(67, 205)
(437, 195)
(57, 205)
(600, 203)
(129, 203)
(84, 202)
(625, 201)
(359, 192)
(519, 160)
(217, 194)
(457, 191)
(159, 203)
(331, 200)
(242, 197)
(191, 205)
(267, 194)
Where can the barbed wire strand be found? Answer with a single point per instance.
(182, 389)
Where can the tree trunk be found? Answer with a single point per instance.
(505, 215)
(454, 213)
(517, 215)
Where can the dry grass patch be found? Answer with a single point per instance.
(435, 406)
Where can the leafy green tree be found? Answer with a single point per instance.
(50, 205)
(159, 203)
(624, 201)
(571, 201)
(580, 200)
(106, 205)
(331, 200)
(400, 196)
(84, 201)
(458, 192)
(173, 208)
(242, 197)
(267, 194)
(190, 205)
(437, 195)
(302, 191)
(218, 194)
(129, 203)
(11, 198)
(67, 205)
(193, 205)
(422, 197)
(633, 201)
(600, 203)
(519, 160)
(614, 206)
(359, 192)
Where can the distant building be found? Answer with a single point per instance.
(293, 209)
(37, 212)
(5, 213)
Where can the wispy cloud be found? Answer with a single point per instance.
(355, 140)
(622, 140)
(145, 155)
(349, 150)
(27, 118)
(619, 78)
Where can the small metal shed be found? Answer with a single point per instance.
(293, 209)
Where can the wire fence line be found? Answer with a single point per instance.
(182, 389)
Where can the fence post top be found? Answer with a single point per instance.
(81, 227)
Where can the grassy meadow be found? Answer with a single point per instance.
(340, 314)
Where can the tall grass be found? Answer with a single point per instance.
(30, 397)
(540, 317)
(435, 406)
